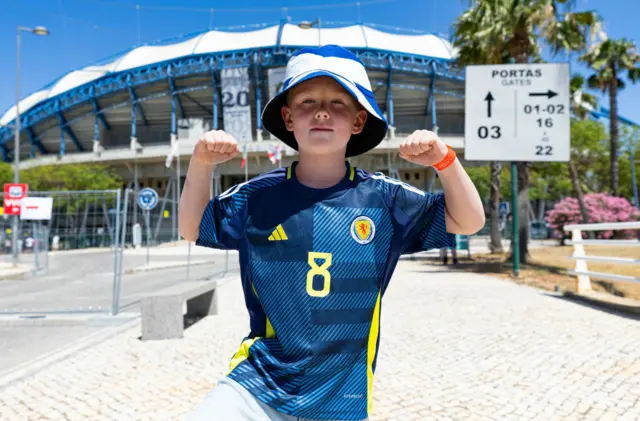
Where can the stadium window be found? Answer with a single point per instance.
(407, 176)
(416, 176)
(159, 184)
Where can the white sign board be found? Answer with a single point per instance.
(517, 112)
(236, 109)
(36, 208)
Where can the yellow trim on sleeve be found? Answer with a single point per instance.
(241, 355)
(270, 332)
(371, 352)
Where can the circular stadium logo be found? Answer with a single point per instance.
(363, 229)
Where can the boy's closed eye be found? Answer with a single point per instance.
(333, 101)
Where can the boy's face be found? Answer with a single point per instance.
(322, 115)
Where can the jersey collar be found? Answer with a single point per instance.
(347, 181)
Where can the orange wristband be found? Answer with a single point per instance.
(448, 159)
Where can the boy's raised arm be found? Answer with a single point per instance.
(194, 199)
(465, 213)
(213, 148)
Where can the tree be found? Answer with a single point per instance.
(601, 207)
(88, 176)
(473, 51)
(609, 59)
(501, 31)
(581, 102)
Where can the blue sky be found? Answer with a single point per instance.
(84, 31)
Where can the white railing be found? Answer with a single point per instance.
(583, 282)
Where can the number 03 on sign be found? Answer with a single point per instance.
(517, 112)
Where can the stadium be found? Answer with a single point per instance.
(138, 109)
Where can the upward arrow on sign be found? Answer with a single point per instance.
(489, 98)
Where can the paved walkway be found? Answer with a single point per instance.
(455, 346)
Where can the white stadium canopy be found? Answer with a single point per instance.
(354, 36)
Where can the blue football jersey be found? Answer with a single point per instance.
(315, 264)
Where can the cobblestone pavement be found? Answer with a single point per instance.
(455, 346)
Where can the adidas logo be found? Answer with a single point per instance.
(278, 234)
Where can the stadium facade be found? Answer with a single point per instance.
(139, 107)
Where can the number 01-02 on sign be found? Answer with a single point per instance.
(517, 112)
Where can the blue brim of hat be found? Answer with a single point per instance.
(372, 134)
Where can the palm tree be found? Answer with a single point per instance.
(581, 104)
(502, 31)
(609, 59)
(471, 52)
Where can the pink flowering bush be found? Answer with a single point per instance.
(600, 208)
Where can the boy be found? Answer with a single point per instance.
(318, 243)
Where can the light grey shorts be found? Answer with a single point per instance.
(229, 401)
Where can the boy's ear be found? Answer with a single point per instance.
(361, 119)
(285, 111)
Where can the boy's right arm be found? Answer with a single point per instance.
(215, 147)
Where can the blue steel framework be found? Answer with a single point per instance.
(254, 58)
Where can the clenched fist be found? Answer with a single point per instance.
(215, 147)
(424, 148)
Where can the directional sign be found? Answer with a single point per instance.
(517, 112)
(147, 198)
(36, 208)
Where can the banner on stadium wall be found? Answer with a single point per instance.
(276, 79)
(236, 109)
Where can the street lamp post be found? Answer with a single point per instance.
(305, 24)
(38, 30)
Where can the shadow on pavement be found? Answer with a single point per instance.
(593, 306)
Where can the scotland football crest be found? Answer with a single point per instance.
(363, 229)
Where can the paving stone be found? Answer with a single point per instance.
(454, 346)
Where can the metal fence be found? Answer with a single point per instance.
(162, 220)
(80, 219)
(81, 281)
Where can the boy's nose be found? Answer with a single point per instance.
(322, 114)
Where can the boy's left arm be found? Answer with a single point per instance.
(464, 210)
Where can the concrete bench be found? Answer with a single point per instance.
(163, 315)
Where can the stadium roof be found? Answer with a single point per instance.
(358, 36)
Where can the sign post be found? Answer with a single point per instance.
(517, 113)
(13, 194)
(147, 200)
(37, 209)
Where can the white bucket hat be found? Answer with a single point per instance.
(346, 69)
